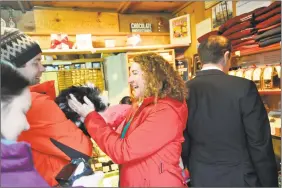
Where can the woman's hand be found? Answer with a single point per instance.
(94, 180)
(82, 109)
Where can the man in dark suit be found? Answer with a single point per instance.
(227, 140)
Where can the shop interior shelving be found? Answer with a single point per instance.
(270, 92)
(261, 57)
(270, 48)
(57, 62)
(112, 50)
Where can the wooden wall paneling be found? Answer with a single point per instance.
(54, 21)
(77, 4)
(197, 13)
(124, 6)
(126, 19)
(164, 6)
(24, 21)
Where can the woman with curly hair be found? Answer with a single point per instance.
(149, 146)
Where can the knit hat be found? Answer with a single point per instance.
(16, 47)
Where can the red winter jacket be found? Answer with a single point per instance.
(47, 121)
(150, 152)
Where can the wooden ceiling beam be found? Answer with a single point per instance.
(73, 9)
(124, 6)
(182, 7)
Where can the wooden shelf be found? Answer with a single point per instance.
(112, 50)
(257, 50)
(56, 62)
(102, 34)
(276, 137)
(270, 92)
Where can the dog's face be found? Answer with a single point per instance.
(92, 93)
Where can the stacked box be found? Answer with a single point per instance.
(67, 78)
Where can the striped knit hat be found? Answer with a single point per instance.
(16, 47)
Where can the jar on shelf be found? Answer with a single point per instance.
(232, 73)
(275, 122)
(240, 73)
(270, 78)
(257, 77)
(249, 73)
(277, 76)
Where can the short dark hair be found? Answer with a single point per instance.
(213, 49)
(93, 94)
(125, 100)
(12, 82)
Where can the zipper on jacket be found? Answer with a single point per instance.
(161, 168)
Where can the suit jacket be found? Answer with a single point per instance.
(227, 138)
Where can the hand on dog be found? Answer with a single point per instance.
(81, 109)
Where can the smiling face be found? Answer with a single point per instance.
(13, 115)
(136, 80)
(33, 70)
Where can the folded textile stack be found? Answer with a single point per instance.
(205, 36)
(241, 31)
(268, 24)
(269, 37)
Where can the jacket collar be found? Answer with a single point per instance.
(210, 72)
(47, 88)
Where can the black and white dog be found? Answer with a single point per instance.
(91, 92)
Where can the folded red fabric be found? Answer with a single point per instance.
(240, 34)
(269, 28)
(235, 20)
(267, 15)
(249, 16)
(264, 10)
(269, 22)
(245, 43)
(255, 48)
(238, 41)
(205, 36)
(246, 47)
(238, 27)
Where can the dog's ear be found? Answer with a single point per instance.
(104, 100)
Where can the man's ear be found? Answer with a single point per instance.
(227, 56)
